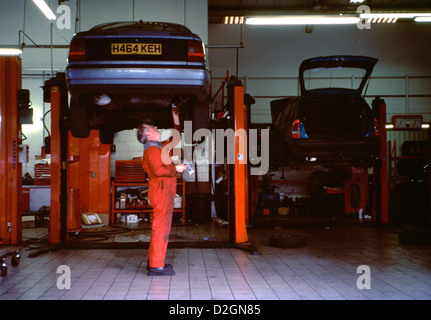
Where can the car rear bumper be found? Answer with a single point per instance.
(162, 80)
(365, 148)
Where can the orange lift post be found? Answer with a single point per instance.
(80, 169)
(238, 173)
(10, 168)
(381, 182)
(55, 92)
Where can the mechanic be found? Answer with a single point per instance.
(162, 187)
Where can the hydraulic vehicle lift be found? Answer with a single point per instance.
(80, 168)
(80, 178)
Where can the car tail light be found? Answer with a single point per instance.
(376, 128)
(77, 50)
(296, 129)
(196, 51)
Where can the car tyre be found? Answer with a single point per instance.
(106, 136)
(79, 120)
(200, 114)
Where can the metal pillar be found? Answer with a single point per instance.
(381, 168)
(57, 91)
(239, 171)
(80, 170)
(10, 137)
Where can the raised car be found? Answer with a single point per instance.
(330, 122)
(120, 73)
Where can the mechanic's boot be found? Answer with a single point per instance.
(167, 266)
(162, 271)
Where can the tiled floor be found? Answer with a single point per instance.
(326, 268)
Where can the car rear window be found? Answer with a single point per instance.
(343, 78)
(156, 26)
(336, 116)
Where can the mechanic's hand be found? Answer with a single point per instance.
(180, 167)
(176, 111)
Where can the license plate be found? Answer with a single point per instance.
(136, 48)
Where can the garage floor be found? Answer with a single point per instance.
(326, 268)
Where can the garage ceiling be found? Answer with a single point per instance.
(218, 9)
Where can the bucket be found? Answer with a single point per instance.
(199, 207)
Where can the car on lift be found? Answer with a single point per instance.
(330, 123)
(123, 72)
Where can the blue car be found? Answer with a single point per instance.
(121, 73)
(330, 122)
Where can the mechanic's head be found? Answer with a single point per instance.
(147, 130)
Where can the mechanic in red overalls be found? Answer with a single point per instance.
(162, 187)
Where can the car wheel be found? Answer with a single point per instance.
(79, 125)
(200, 114)
(287, 240)
(106, 136)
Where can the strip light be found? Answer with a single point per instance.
(423, 19)
(10, 52)
(301, 20)
(392, 17)
(384, 17)
(45, 9)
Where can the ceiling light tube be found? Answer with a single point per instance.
(423, 19)
(45, 9)
(301, 20)
(405, 15)
(386, 15)
(10, 52)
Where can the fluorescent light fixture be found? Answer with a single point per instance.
(402, 15)
(301, 20)
(392, 17)
(10, 52)
(387, 15)
(423, 19)
(425, 126)
(233, 20)
(45, 9)
(356, 1)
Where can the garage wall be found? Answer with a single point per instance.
(38, 64)
(268, 63)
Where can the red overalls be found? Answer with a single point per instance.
(162, 187)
